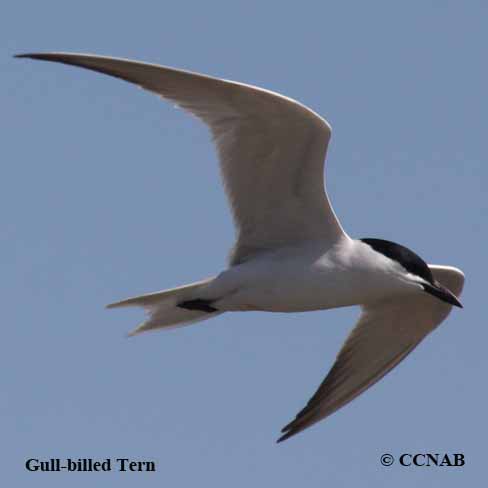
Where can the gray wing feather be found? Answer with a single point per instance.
(384, 335)
(271, 150)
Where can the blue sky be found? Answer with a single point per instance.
(107, 192)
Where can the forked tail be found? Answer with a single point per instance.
(171, 308)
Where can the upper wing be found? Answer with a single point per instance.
(271, 150)
(383, 336)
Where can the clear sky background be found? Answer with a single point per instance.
(108, 192)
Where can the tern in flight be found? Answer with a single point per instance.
(291, 253)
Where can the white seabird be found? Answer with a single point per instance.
(291, 252)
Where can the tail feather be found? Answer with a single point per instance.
(151, 299)
(162, 307)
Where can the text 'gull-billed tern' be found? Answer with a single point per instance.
(291, 253)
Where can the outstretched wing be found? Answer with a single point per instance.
(384, 335)
(271, 150)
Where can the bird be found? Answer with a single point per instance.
(291, 253)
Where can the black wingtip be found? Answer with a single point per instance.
(287, 432)
(284, 437)
(26, 55)
(41, 56)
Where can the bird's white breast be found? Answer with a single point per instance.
(309, 278)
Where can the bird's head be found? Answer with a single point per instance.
(415, 267)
